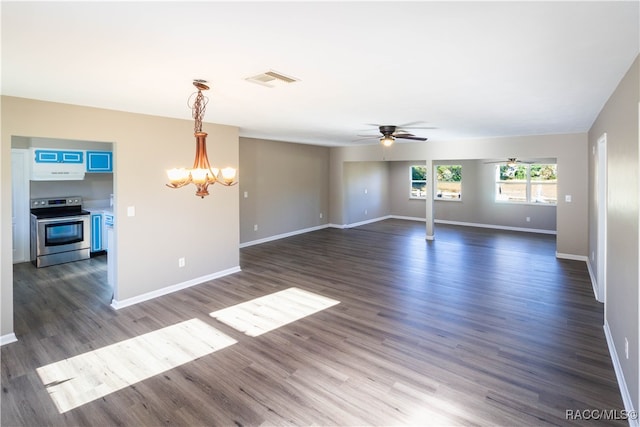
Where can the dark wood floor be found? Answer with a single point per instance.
(479, 327)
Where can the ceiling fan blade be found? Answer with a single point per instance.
(417, 127)
(416, 138)
(411, 126)
(365, 137)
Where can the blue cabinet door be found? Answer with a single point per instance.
(96, 232)
(59, 156)
(99, 161)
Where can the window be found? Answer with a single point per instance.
(536, 183)
(448, 182)
(418, 182)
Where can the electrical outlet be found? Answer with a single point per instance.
(181, 262)
(528, 219)
(366, 191)
(246, 194)
(366, 212)
(626, 347)
(255, 227)
(593, 256)
(321, 215)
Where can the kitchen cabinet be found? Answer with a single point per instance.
(107, 224)
(58, 156)
(97, 232)
(99, 161)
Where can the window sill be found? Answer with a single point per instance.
(417, 198)
(437, 199)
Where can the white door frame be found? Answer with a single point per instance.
(20, 204)
(601, 197)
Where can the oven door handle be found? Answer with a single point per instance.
(61, 219)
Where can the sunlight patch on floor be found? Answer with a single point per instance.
(264, 314)
(81, 379)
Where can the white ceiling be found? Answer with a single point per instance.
(470, 69)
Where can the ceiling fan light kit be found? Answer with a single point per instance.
(387, 140)
(391, 132)
(511, 162)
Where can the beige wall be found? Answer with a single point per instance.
(168, 223)
(477, 205)
(570, 152)
(619, 120)
(399, 189)
(287, 188)
(366, 191)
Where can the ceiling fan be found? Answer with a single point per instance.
(511, 162)
(391, 132)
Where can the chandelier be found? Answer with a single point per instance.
(201, 174)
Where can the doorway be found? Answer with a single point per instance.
(96, 191)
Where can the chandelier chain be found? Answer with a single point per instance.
(198, 108)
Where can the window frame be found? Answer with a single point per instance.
(528, 185)
(436, 181)
(413, 181)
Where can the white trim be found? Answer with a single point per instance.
(340, 226)
(572, 256)
(369, 221)
(117, 305)
(497, 227)
(584, 258)
(601, 224)
(594, 282)
(429, 237)
(8, 339)
(408, 218)
(624, 390)
(283, 235)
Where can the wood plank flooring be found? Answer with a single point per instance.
(477, 328)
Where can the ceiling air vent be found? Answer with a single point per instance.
(271, 79)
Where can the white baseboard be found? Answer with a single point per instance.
(282, 236)
(594, 281)
(117, 305)
(496, 227)
(572, 257)
(368, 221)
(624, 390)
(8, 339)
(408, 218)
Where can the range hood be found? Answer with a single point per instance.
(57, 165)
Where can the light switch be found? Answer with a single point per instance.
(131, 211)
(567, 198)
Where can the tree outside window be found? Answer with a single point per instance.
(418, 182)
(448, 182)
(536, 183)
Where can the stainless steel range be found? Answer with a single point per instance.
(60, 231)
